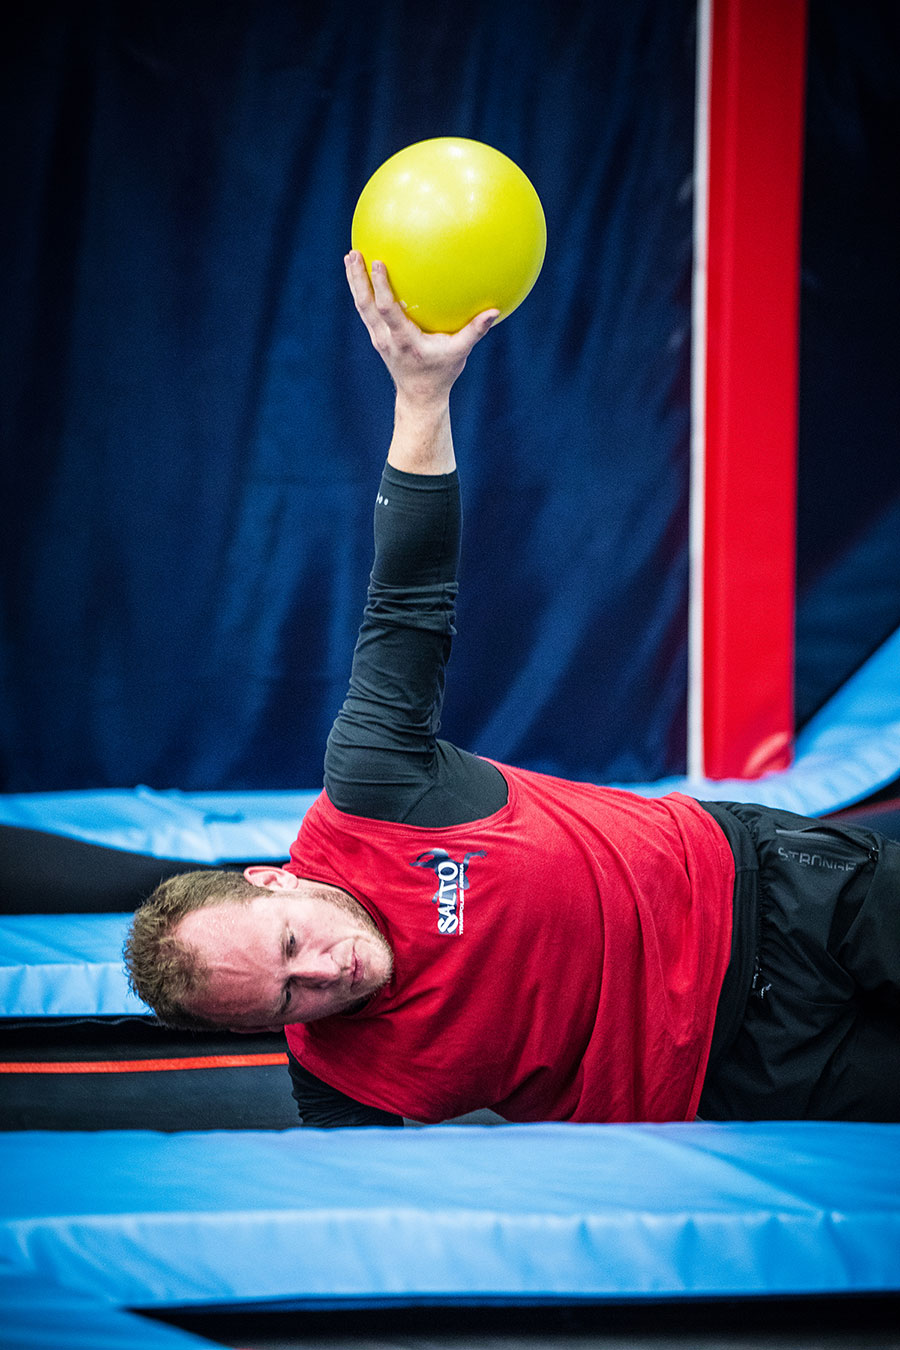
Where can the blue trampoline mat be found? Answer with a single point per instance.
(537, 1212)
(68, 965)
(35, 1315)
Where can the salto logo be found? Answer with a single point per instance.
(452, 885)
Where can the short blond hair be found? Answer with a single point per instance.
(166, 973)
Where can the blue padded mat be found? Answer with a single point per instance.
(69, 965)
(846, 752)
(37, 1316)
(202, 827)
(538, 1212)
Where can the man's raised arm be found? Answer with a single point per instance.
(383, 759)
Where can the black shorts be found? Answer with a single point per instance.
(808, 1024)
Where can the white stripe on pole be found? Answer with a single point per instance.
(695, 748)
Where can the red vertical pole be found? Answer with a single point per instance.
(755, 138)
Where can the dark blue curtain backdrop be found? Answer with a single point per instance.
(849, 497)
(195, 420)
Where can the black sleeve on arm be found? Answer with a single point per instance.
(324, 1108)
(383, 759)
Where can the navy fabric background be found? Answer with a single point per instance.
(194, 421)
(198, 421)
(848, 541)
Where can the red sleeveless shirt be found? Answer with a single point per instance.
(559, 960)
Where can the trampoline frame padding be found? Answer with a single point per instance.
(546, 1212)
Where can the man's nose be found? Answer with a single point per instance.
(311, 969)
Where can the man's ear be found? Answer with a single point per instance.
(271, 878)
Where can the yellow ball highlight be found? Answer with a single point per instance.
(458, 226)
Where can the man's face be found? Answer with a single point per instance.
(287, 955)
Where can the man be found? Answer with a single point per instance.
(451, 934)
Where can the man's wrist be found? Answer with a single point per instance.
(422, 440)
(421, 410)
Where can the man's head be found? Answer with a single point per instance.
(254, 951)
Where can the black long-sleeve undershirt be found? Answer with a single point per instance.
(384, 759)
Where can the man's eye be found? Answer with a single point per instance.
(291, 944)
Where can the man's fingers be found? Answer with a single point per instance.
(375, 300)
(410, 354)
(387, 303)
(358, 279)
(463, 341)
(376, 288)
(481, 324)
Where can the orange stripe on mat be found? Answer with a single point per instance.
(144, 1065)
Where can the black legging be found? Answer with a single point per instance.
(43, 873)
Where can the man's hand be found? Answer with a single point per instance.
(423, 366)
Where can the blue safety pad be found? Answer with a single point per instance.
(537, 1212)
(203, 827)
(68, 965)
(35, 1315)
(849, 750)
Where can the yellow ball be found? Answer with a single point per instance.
(458, 226)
